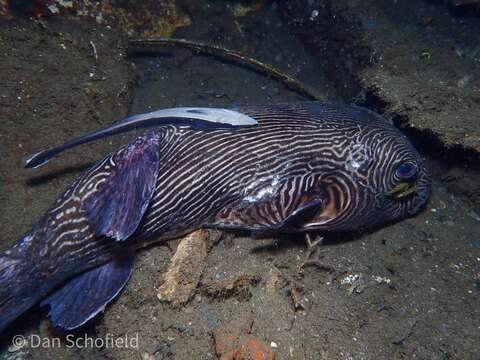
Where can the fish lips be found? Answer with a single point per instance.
(413, 194)
(403, 189)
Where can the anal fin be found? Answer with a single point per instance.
(86, 295)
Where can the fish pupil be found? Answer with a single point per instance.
(406, 170)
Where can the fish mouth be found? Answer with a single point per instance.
(403, 189)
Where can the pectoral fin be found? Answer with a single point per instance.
(86, 295)
(122, 187)
(297, 217)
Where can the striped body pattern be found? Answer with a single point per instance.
(256, 177)
(305, 167)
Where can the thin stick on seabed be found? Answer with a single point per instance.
(152, 45)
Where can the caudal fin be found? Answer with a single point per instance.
(72, 304)
(16, 295)
(86, 295)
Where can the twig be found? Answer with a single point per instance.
(151, 45)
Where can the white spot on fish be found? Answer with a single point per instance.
(358, 157)
(262, 189)
(26, 239)
(355, 164)
(71, 210)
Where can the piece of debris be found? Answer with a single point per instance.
(149, 18)
(407, 330)
(53, 8)
(463, 2)
(294, 287)
(244, 9)
(147, 356)
(382, 279)
(272, 283)
(295, 292)
(16, 351)
(425, 55)
(238, 287)
(156, 45)
(5, 10)
(312, 256)
(94, 50)
(349, 279)
(425, 20)
(185, 268)
(234, 341)
(355, 282)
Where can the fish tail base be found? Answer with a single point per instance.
(15, 298)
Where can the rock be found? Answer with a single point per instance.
(383, 58)
(234, 341)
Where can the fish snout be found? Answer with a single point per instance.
(412, 192)
(423, 187)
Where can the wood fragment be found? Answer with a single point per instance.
(185, 268)
(272, 284)
(153, 45)
(239, 287)
(296, 296)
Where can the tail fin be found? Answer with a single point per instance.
(16, 294)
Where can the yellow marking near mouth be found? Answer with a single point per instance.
(402, 189)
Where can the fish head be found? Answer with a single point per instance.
(379, 177)
(402, 178)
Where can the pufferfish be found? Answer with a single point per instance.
(286, 168)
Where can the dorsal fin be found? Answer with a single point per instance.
(196, 117)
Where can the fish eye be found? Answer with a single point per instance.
(406, 170)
